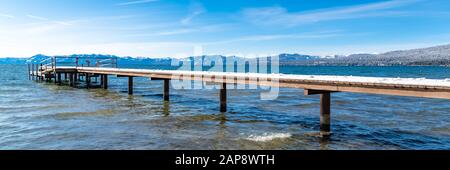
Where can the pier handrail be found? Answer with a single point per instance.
(52, 62)
(47, 64)
(41, 65)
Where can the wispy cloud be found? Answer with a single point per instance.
(37, 17)
(48, 20)
(271, 37)
(6, 15)
(47, 24)
(195, 10)
(135, 2)
(165, 33)
(280, 15)
(208, 28)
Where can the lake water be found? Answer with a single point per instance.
(46, 116)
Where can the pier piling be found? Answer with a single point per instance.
(325, 113)
(32, 72)
(325, 109)
(58, 79)
(36, 72)
(88, 80)
(29, 73)
(75, 77)
(130, 85)
(166, 90)
(105, 81)
(71, 80)
(223, 97)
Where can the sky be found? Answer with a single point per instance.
(181, 28)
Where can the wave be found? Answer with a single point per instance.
(268, 137)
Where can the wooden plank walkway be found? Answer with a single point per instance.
(420, 88)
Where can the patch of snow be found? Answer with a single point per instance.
(351, 79)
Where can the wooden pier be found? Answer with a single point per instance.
(323, 86)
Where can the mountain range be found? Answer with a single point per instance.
(438, 55)
(432, 56)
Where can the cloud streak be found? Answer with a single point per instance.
(37, 17)
(136, 2)
(165, 33)
(280, 15)
(47, 24)
(7, 16)
(207, 28)
(271, 37)
(195, 10)
(48, 20)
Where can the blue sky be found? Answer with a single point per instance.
(179, 28)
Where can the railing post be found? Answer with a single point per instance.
(53, 62)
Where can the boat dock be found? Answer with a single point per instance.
(54, 69)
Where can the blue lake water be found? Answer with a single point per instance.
(46, 116)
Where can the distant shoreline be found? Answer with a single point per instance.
(431, 56)
(289, 65)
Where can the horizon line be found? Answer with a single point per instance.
(233, 55)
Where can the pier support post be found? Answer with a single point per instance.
(58, 78)
(29, 73)
(71, 84)
(325, 110)
(75, 77)
(325, 114)
(101, 80)
(223, 97)
(130, 85)
(105, 81)
(32, 72)
(166, 93)
(88, 80)
(38, 76)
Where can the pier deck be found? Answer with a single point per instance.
(312, 85)
(427, 88)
